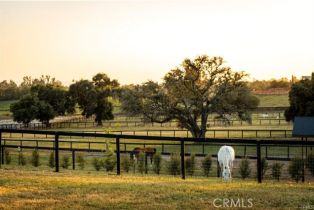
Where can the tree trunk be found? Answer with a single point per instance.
(99, 122)
(197, 132)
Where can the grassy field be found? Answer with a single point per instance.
(273, 100)
(5, 109)
(76, 190)
(265, 101)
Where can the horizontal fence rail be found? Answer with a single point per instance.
(210, 133)
(85, 123)
(183, 142)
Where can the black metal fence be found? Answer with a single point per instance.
(253, 150)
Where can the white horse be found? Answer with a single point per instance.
(226, 157)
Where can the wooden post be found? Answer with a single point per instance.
(259, 162)
(57, 152)
(73, 159)
(118, 154)
(182, 160)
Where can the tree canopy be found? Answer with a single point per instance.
(301, 98)
(190, 92)
(25, 110)
(92, 96)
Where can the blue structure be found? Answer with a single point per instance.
(303, 127)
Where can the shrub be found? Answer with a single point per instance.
(21, 159)
(190, 165)
(7, 156)
(296, 169)
(126, 163)
(173, 165)
(141, 162)
(51, 161)
(97, 163)
(264, 165)
(35, 158)
(81, 161)
(157, 159)
(109, 161)
(310, 163)
(206, 165)
(276, 170)
(244, 168)
(65, 161)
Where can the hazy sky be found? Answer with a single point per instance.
(134, 41)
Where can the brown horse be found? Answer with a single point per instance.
(148, 151)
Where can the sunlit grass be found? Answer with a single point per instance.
(98, 190)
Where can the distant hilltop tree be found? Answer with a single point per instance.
(190, 93)
(301, 98)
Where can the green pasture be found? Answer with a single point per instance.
(40, 188)
(280, 100)
(5, 109)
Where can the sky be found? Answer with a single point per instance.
(136, 41)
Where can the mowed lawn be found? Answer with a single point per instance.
(25, 189)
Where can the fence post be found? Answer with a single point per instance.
(73, 159)
(0, 148)
(244, 151)
(218, 168)
(57, 152)
(203, 148)
(118, 154)
(303, 170)
(182, 160)
(258, 162)
(146, 170)
(285, 133)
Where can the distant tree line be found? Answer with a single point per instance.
(270, 84)
(9, 90)
(47, 98)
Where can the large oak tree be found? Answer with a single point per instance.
(190, 93)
